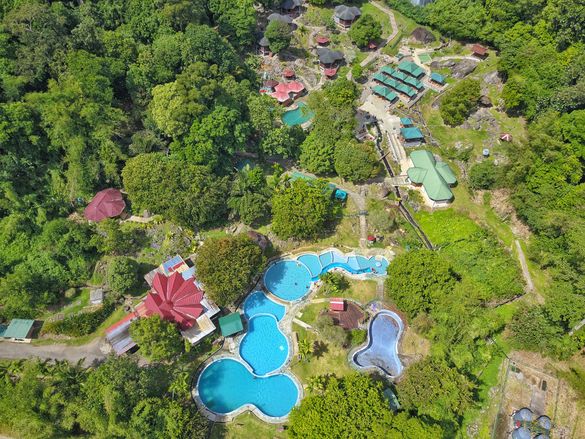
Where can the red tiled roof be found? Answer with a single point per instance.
(479, 49)
(336, 304)
(120, 322)
(175, 299)
(281, 96)
(330, 72)
(288, 73)
(270, 83)
(506, 137)
(372, 45)
(105, 204)
(322, 39)
(289, 87)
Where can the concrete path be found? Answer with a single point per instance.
(302, 324)
(524, 266)
(90, 352)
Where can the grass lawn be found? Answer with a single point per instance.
(79, 302)
(312, 311)
(246, 426)
(363, 291)
(331, 360)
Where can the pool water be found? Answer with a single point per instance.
(287, 279)
(258, 303)
(264, 347)
(382, 348)
(226, 385)
(298, 116)
(290, 279)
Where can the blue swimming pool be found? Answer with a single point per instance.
(290, 279)
(264, 347)
(258, 303)
(226, 385)
(287, 279)
(381, 351)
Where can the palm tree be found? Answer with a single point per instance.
(304, 349)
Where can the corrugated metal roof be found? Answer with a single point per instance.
(433, 182)
(19, 328)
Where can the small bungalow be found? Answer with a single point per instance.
(291, 7)
(479, 51)
(329, 58)
(330, 73)
(230, 324)
(18, 331)
(506, 137)
(288, 74)
(345, 16)
(264, 46)
(436, 178)
(279, 17)
(412, 69)
(521, 433)
(385, 93)
(322, 40)
(336, 304)
(406, 122)
(411, 136)
(108, 203)
(437, 78)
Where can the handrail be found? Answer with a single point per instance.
(401, 207)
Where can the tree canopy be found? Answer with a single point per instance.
(157, 338)
(301, 209)
(227, 266)
(354, 407)
(365, 30)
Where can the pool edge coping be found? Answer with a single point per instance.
(351, 355)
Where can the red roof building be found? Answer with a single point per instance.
(330, 73)
(479, 51)
(506, 137)
(372, 45)
(175, 299)
(288, 73)
(105, 204)
(336, 304)
(322, 40)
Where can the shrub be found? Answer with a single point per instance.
(459, 101)
(80, 324)
(122, 274)
(158, 339)
(329, 331)
(357, 336)
(484, 175)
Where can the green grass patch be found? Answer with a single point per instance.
(330, 359)
(246, 426)
(311, 312)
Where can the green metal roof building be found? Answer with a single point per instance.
(405, 122)
(385, 92)
(19, 330)
(411, 68)
(435, 177)
(230, 324)
(411, 134)
(438, 78)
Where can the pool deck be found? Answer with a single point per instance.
(292, 308)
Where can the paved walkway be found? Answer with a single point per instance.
(90, 352)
